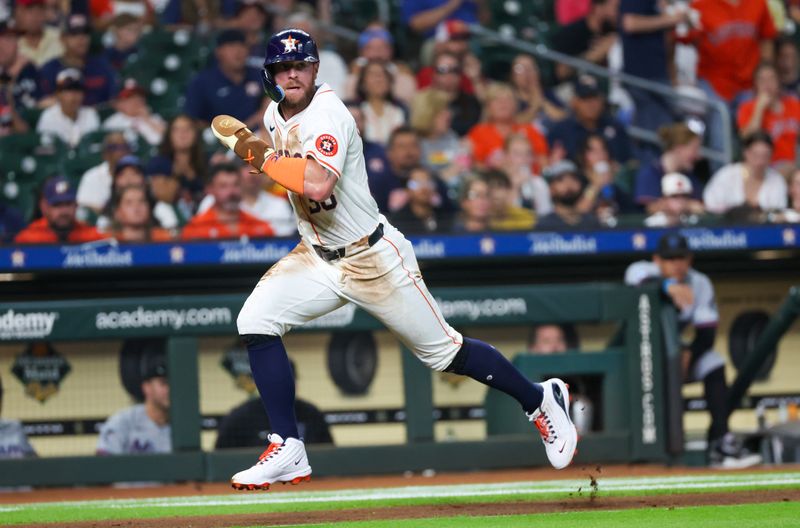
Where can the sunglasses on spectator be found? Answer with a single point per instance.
(448, 69)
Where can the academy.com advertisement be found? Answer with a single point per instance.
(93, 321)
(163, 318)
(30, 325)
(75, 320)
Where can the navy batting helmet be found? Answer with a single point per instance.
(291, 45)
(286, 46)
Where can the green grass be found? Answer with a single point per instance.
(299, 501)
(773, 515)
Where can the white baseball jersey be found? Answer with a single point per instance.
(326, 131)
(383, 279)
(703, 312)
(131, 431)
(13, 440)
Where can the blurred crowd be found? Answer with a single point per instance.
(105, 107)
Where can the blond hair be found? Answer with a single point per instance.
(495, 91)
(425, 107)
(675, 135)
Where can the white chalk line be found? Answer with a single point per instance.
(436, 492)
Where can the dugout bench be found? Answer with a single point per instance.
(633, 371)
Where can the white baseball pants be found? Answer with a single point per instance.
(384, 280)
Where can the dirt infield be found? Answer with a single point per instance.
(582, 499)
(367, 482)
(587, 502)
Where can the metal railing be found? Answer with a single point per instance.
(540, 50)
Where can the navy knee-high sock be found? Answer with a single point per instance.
(482, 362)
(272, 374)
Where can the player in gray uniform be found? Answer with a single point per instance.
(348, 252)
(13, 440)
(693, 295)
(142, 428)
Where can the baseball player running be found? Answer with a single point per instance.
(348, 253)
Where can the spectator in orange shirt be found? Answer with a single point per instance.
(776, 113)
(487, 138)
(58, 223)
(133, 218)
(731, 38)
(726, 43)
(225, 219)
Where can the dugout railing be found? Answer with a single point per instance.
(634, 365)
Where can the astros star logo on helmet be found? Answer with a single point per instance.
(290, 44)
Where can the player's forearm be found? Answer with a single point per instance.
(319, 181)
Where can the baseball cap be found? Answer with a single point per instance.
(371, 34)
(154, 367)
(559, 169)
(673, 245)
(130, 88)
(675, 184)
(58, 190)
(69, 79)
(230, 36)
(77, 24)
(128, 161)
(451, 30)
(158, 166)
(586, 86)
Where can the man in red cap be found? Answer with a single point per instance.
(58, 223)
(132, 113)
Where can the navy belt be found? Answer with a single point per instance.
(331, 254)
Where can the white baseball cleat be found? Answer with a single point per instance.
(283, 461)
(552, 419)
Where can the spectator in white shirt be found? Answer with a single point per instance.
(132, 113)
(382, 114)
(256, 201)
(752, 183)
(68, 119)
(94, 189)
(169, 210)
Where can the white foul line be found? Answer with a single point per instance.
(677, 483)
